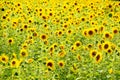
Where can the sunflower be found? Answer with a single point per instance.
(14, 55)
(62, 47)
(25, 26)
(24, 46)
(23, 53)
(93, 53)
(90, 32)
(62, 53)
(73, 48)
(10, 40)
(55, 45)
(59, 33)
(77, 43)
(43, 37)
(98, 57)
(107, 35)
(99, 46)
(85, 33)
(101, 29)
(109, 51)
(78, 57)
(106, 45)
(4, 58)
(74, 68)
(30, 60)
(61, 64)
(50, 64)
(115, 30)
(52, 49)
(15, 63)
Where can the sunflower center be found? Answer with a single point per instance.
(93, 54)
(50, 64)
(3, 59)
(90, 32)
(115, 31)
(98, 57)
(61, 64)
(13, 62)
(77, 44)
(23, 53)
(106, 35)
(106, 46)
(43, 37)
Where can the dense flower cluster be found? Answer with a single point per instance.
(59, 40)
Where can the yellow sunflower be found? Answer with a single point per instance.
(50, 64)
(4, 58)
(15, 63)
(23, 53)
(61, 64)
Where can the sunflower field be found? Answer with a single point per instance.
(59, 40)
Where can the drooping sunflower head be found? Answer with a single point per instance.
(99, 46)
(85, 33)
(78, 57)
(62, 53)
(98, 58)
(30, 60)
(14, 55)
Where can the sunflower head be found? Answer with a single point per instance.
(50, 64)
(106, 45)
(107, 35)
(14, 55)
(77, 43)
(93, 53)
(43, 37)
(30, 60)
(74, 68)
(23, 53)
(62, 53)
(24, 46)
(115, 30)
(109, 51)
(78, 57)
(61, 64)
(10, 40)
(4, 58)
(90, 32)
(85, 33)
(15, 63)
(98, 57)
